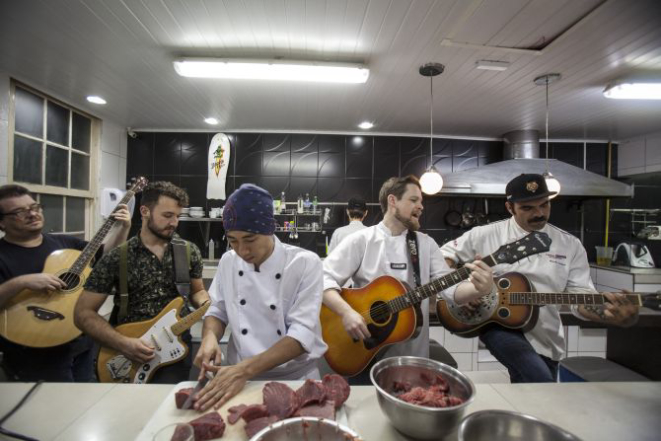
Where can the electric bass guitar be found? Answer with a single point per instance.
(163, 333)
(43, 319)
(516, 306)
(392, 311)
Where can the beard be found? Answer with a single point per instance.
(410, 223)
(163, 233)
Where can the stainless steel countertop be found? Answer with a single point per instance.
(640, 275)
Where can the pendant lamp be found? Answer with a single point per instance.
(551, 182)
(431, 181)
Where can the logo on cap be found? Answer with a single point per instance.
(532, 186)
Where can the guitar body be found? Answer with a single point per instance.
(39, 319)
(113, 367)
(495, 308)
(349, 357)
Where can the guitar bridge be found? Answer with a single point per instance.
(45, 314)
(119, 367)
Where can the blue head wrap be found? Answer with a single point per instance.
(249, 208)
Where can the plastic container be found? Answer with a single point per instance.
(604, 255)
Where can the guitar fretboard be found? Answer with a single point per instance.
(186, 322)
(563, 298)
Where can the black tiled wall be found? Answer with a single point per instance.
(337, 167)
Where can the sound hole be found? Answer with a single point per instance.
(71, 279)
(380, 313)
(504, 283)
(503, 312)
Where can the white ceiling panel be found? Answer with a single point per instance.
(123, 51)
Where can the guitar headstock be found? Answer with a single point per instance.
(139, 184)
(534, 243)
(652, 301)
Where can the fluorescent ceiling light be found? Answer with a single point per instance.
(211, 121)
(96, 99)
(492, 65)
(365, 125)
(279, 70)
(634, 91)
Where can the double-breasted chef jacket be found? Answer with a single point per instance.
(373, 252)
(261, 307)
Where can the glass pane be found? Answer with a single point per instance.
(75, 214)
(27, 160)
(57, 166)
(53, 212)
(57, 120)
(82, 128)
(29, 113)
(80, 171)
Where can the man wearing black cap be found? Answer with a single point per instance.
(533, 356)
(356, 212)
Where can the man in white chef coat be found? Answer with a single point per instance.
(533, 356)
(269, 296)
(382, 249)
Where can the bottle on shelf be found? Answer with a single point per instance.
(299, 205)
(283, 205)
(314, 204)
(306, 203)
(211, 249)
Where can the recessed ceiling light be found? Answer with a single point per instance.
(282, 70)
(492, 65)
(365, 125)
(211, 121)
(634, 91)
(96, 99)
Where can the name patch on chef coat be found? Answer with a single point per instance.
(398, 266)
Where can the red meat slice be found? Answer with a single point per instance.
(208, 426)
(254, 426)
(337, 389)
(280, 399)
(253, 412)
(181, 396)
(234, 413)
(434, 396)
(326, 410)
(311, 392)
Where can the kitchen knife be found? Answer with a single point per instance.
(198, 387)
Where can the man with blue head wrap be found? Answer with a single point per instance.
(269, 295)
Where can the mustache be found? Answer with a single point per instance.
(538, 219)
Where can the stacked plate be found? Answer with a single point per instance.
(196, 212)
(184, 213)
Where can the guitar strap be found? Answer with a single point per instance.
(181, 262)
(412, 242)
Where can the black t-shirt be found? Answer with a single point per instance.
(16, 260)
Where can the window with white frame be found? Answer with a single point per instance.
(52, 152)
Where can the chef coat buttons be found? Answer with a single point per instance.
(243, 301)
(244, 331)
(240, 273)
(273, 307)
(279, 332)
(277, 276)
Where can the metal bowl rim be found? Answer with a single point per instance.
(418, 407)
(464, 424)
(310, 419)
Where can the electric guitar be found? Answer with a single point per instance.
(392, 311)
(162, 333)
(516, 306)
(43, 319)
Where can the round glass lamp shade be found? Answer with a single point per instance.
(431, 182)
(552, 183)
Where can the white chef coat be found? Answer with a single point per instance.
(563, 269)
(342, 232)
(373, 252)
(260, 307)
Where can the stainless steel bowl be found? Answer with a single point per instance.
(420, 421)
(503, 425)
(306, 428)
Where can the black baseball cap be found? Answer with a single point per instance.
(357, 204)
(527, 187)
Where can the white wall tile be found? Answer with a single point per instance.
(437, 333)
(491, 366)
(483, 355)
(591, 340)
(464, 360)
(572, 338)
(454, 343)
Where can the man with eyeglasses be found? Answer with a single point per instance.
(23, 252)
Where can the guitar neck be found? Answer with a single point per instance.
(185, 323)
(93, 246)
(564, 298)
(423, 292)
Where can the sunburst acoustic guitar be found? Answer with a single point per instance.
(38, 319)
(392, 311)
(516, 306)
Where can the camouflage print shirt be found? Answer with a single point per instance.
(151, 282)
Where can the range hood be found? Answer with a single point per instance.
(521, 152)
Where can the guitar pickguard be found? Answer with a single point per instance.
(482, 313)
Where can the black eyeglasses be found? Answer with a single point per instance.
(23, 213)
